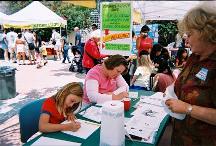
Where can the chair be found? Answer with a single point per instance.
(29, 119)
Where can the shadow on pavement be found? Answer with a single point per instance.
(12, 106)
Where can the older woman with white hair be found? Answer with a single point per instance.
(92, 54)
(195, 87)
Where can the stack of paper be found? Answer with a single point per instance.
(143, 126)
(92, 113)
(86, 129)
(150, 111)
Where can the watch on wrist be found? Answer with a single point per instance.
(189, 109)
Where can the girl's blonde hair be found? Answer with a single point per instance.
(146, 61)
(70, 88)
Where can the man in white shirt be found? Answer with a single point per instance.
(11, 38)
(30, 39)
(56, 37)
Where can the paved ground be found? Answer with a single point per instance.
(33, 83)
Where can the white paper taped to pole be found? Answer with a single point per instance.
(112, 124)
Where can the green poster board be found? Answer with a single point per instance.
(116, 16)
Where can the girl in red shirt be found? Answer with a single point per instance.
(143, 42)
(60, 107)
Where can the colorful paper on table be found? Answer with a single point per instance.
(86, 129)
(46, 141)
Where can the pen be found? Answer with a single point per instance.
(91, 123)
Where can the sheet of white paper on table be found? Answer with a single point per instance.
(170, 93)
(92, 113)
(133, 94)
(151, 111)
(143, 122)
(155, 99)
(46, 141)
(86, 129)
(141, 127)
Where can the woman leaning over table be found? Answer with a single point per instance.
(103, 81)
(195, 87)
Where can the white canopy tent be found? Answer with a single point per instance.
(3, 17)
(36, 15)
(163, 10)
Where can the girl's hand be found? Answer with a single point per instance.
(177, 106)
(73, 126)
(71, 117)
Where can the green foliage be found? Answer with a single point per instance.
(167, 31)
(76, 15)
(15, 6)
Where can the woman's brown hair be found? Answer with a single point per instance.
(70, 88)
(115, 61)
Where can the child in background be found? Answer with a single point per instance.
(141, 78)
(163, 78)
(60, 107)
(44, 52)
(42, 55)
(181, 58)
(65, 52)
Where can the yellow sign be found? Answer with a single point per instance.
(116, 36)
(32, 26)
(84, 3)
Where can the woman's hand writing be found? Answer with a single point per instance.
(120, 96)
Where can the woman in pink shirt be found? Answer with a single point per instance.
(104, 82)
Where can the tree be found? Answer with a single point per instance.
(167, 31)
(76, 15)
(14, 6)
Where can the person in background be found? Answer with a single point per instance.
(195, 86)
(163, 78)
(56, 41)
(94, 27)
(92, 54)
(104, 82)
(181, 58)
(78, 39)
(42, 55)
(143, 42)
(65, 51)
(11, 37)
(30, 39)
(60, 107)
(141, 78)
(20, 48)
(4, 44)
